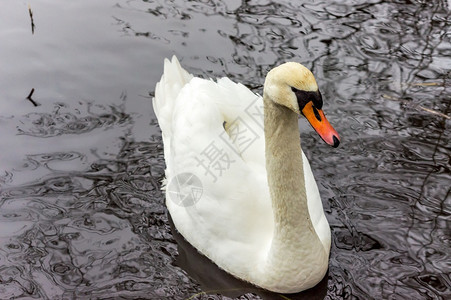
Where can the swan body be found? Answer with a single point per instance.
(253, 206)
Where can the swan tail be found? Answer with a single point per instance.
(174, 78)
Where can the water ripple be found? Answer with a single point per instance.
(61, 122)
(106, 235)
(86, 221)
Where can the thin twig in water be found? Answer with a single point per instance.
(31, 17)
(427, 84)
(30, 99)
(420, 107)
(435, 112)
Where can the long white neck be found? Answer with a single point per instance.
(296, 251)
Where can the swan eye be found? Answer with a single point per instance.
(301, 97)
(305, 97)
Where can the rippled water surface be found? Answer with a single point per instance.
(81, 161)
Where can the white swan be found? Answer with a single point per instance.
(251, 203)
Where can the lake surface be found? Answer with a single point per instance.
(81, 158)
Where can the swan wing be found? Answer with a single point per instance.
(217, 191)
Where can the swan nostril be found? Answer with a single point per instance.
(336, 142)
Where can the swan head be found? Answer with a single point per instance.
(292, 85)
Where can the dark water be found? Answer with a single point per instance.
(81, 212)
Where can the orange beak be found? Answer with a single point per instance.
(319, 122)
